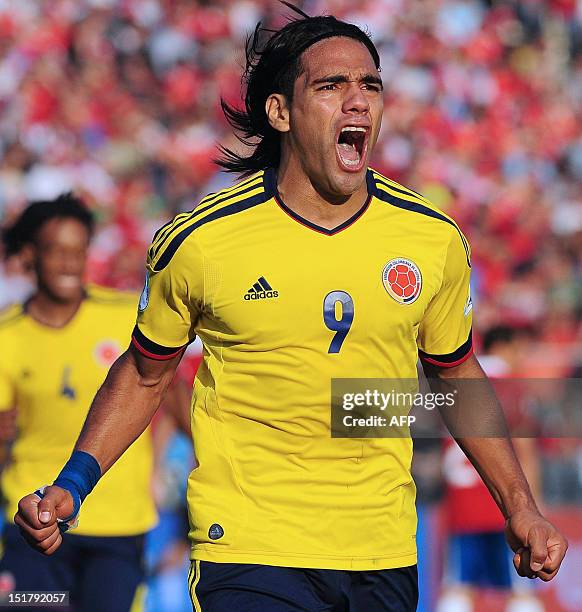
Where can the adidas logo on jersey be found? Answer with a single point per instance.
(261, 290)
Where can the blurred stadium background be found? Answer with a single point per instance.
(118, 100)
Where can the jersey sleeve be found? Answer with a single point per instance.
(170, 303)
(444, 337)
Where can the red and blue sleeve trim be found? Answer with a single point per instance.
(151, 349)
(451, 359)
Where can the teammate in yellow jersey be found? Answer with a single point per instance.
(56, 350)
(314, 267)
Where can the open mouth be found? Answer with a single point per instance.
(68, 281)
(351, 147)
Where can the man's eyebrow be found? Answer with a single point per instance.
(370, 79)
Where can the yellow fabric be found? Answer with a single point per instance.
(53, 375)
(284, 492)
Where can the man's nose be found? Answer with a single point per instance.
(72, 262)
(355, 100)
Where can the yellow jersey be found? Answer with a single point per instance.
(283, 306)
(51, 375)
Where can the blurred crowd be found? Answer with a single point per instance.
(119, 101)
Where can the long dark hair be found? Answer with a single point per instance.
(273, 67)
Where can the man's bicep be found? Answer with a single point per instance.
(153, 371)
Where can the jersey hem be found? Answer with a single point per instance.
(452, 359)
(290, 560)
(444, 364)
(152, 349)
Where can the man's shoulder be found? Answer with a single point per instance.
(394, 194)
(186, 227)
(11, 317)
(108, 299)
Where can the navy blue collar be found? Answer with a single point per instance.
(270, 182)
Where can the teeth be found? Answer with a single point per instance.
(69, 278)
(352, 128)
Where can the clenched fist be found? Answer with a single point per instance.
(538, 546)
(37, 518)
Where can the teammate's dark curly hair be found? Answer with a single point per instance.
(25, 229)
(273, 67)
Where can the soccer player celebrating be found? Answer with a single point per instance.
(314, 267)
(56, 350)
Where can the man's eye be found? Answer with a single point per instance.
(329, 87)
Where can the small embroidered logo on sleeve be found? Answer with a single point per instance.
(145, 294)
(468, 305)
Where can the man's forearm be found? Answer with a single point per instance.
(478, 424)
(121, 410)
(497, 464)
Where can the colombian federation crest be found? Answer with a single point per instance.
(106, 352)
(402, 280)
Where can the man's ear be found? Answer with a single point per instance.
(277, 111)
(27, 256)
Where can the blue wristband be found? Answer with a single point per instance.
(79, 476)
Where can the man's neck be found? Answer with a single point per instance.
(304, 198)
(44, 309)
